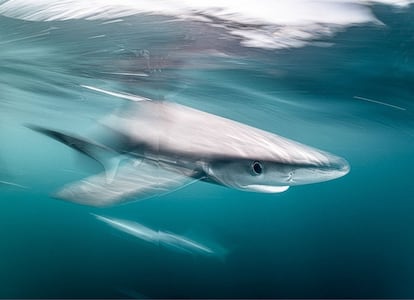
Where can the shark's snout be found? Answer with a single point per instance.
(333, 167)
(338, 165)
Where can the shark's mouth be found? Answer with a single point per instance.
(265, 188)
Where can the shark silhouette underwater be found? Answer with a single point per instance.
(165, 239)
(155, 147)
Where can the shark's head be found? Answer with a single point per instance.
(273, 176)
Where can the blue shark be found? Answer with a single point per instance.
(178, 243)
(155, 147)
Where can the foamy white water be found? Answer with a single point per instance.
(260, 23)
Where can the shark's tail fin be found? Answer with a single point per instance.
(104, 155)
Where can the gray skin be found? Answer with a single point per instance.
(220, 150)
(154, 147)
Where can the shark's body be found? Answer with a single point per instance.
(161, 238)
(155, 147)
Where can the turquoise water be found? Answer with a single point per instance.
(349, 93)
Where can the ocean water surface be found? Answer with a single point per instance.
(336, 75)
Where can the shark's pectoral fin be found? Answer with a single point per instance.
(107, 157)
(130, 182)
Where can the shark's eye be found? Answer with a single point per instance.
(257, 168)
